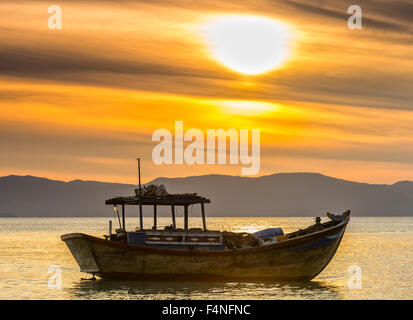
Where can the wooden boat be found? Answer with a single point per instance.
(174, 253)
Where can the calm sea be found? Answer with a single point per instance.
(381, 247)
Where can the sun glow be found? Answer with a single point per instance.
(248, 44)
(246, 107)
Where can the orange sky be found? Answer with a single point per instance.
(84, 101)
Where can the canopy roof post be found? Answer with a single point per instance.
(140, 196)
(140, 218)
(154, 216)
(123, 216)
(186, 217)
(173, 217)
(203, 216)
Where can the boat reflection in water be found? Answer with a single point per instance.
(196, 254)
(127, 289)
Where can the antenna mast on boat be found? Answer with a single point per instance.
(140, 196)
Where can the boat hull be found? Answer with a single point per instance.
(297, 259)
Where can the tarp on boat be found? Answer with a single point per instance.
(269, 233)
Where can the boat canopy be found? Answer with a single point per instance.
(183, 199)
(172, 200)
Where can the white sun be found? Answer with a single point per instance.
(248, 44)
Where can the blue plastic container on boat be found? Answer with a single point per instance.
(269, 233)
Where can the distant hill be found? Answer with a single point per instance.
(282, 194)
(27, 196)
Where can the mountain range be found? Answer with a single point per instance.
(281, 194)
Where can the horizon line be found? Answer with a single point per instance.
(203, 175)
